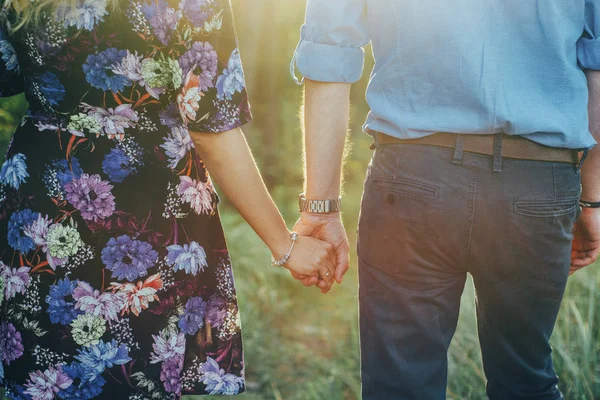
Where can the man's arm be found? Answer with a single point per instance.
(330, 56)
(590, 172)
(326, 115)
(586, 242)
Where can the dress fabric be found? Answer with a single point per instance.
(115, 279)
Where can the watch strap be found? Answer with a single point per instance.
(319, 206)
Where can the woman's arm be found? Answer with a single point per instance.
(231, 165)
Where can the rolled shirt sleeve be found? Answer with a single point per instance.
(332, 40)
(588, 47)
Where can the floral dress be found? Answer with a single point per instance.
(115, 280)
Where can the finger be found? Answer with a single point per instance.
(326, 275)
(583, 260)
(343, 265)
(299, 276)
(595, 253)
(310, 281)
(324, 286)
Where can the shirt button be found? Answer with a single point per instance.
(391, 198)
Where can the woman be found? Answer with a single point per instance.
(115, 273)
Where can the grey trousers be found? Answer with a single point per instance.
(428, 218)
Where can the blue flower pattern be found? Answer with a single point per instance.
(119, 269)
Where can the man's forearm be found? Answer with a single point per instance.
(326, 114)
(590, 172)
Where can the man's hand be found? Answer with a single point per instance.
(586, 241)
(329, 228)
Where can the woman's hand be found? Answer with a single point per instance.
(313, 258)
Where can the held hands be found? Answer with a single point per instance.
(329, 228)
(586, 241)
(313, 259)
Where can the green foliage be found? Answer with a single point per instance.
(299, 344)
(11, 111)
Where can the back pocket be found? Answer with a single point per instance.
(546, 208)
(406, 186)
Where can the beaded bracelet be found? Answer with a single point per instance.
(286, 258)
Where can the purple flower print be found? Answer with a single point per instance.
(216, 310)
(190, 258)
(196, 11)
(193, 317)
(91, 301)
(113, 121)
(11, 344)
(177, 144)
(45, 385)
(217, 381)
(170, 374)
(16, 280)
(127, 258)
(92, 196)
(201, 60)
(131, 67)
(162, 18)
(167, 345)
(170, 116)
(197, 194)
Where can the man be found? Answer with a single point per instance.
(479, 113)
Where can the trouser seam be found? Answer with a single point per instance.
(472, 193)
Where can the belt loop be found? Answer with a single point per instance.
(376, 144)
(583, 157)
(498, 152)
(459, 149)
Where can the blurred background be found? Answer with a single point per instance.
(300, 344)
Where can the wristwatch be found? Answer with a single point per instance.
(319, 206)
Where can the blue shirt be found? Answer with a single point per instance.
(465, 66)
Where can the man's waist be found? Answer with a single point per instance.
(516, 147)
